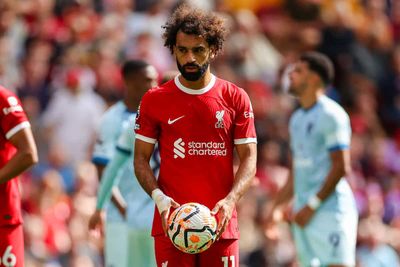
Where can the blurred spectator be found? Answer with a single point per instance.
(72, 117)
(272, 174)
(395, 19)
(390, 93)
(63, 60)
(9, 73)
(373, 251)
(143, 33)
(250, 52)
(57, 160)
(35, 72)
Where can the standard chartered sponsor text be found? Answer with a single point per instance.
(207, 148)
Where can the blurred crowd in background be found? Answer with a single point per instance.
(63, 58)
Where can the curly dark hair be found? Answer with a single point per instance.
(198, 22)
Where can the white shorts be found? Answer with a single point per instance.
(128, 247)
(329, 239)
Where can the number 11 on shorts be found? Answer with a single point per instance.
(8, 259)
(226, 259)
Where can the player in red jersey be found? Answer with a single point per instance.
(198, 120)
(17, 153)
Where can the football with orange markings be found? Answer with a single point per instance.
(192, 228)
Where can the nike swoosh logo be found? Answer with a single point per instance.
(174, 120)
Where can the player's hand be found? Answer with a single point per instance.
(165, 214)
(303, 216)
(164, 204)
(223, 210)
(96, 222)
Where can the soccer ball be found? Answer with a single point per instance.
(192, 228)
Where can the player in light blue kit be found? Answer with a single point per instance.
(324, 213)
(128, 241)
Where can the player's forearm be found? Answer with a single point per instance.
(333, 177)
(116, 197)
(244, 175)
(340, 166)
(20, 162)
(145, 175)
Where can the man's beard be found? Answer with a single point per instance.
(193, 76)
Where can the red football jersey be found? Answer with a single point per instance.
(196, 132)
(12, 120)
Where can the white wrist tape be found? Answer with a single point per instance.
(163, 202)
(314, 202)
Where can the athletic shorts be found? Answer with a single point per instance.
(329, 239)
(128, 247)
(11, 246)
(223, 253)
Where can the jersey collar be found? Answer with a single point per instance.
(193, 91)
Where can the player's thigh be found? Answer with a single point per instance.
(116, 244)
(223, 253)
(330, 238)
(169, 256)
(11, 246)
(141, 248)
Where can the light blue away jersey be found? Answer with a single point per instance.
(109, 132)
(314, 133)
(116, 132)
(140, 205)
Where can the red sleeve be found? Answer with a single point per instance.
(12, 115)
(147, 128)
(245, 131)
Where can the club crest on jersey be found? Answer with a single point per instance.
(14, 106)
(220, 119)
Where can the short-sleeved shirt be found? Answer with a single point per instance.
(314, 134)
(12, 120)
(116, 132)
(196, 131)
(109, 131)
(140, 205)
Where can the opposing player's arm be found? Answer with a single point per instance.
(101, 157)
(337, 135)
(110, 178)
(25, 157)
(340, 166)
(116, 197)
(107, 184)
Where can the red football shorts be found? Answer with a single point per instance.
(223, 253)
(11, 246)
